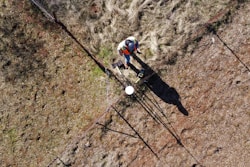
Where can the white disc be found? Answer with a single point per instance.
(129, 90)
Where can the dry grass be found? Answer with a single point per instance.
(46, 83)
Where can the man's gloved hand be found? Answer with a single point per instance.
(139, 52)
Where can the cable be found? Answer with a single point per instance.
(46, 13)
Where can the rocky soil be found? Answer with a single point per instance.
(194, 112)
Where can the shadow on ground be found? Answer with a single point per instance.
(159, 87)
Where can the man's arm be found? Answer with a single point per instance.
(137, 47)
(120, 52)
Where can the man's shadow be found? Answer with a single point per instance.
(159, 87)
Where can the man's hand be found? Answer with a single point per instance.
(139, 52)
(120, 53)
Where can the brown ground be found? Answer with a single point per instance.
(53, 93)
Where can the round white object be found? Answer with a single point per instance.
(129, 90)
